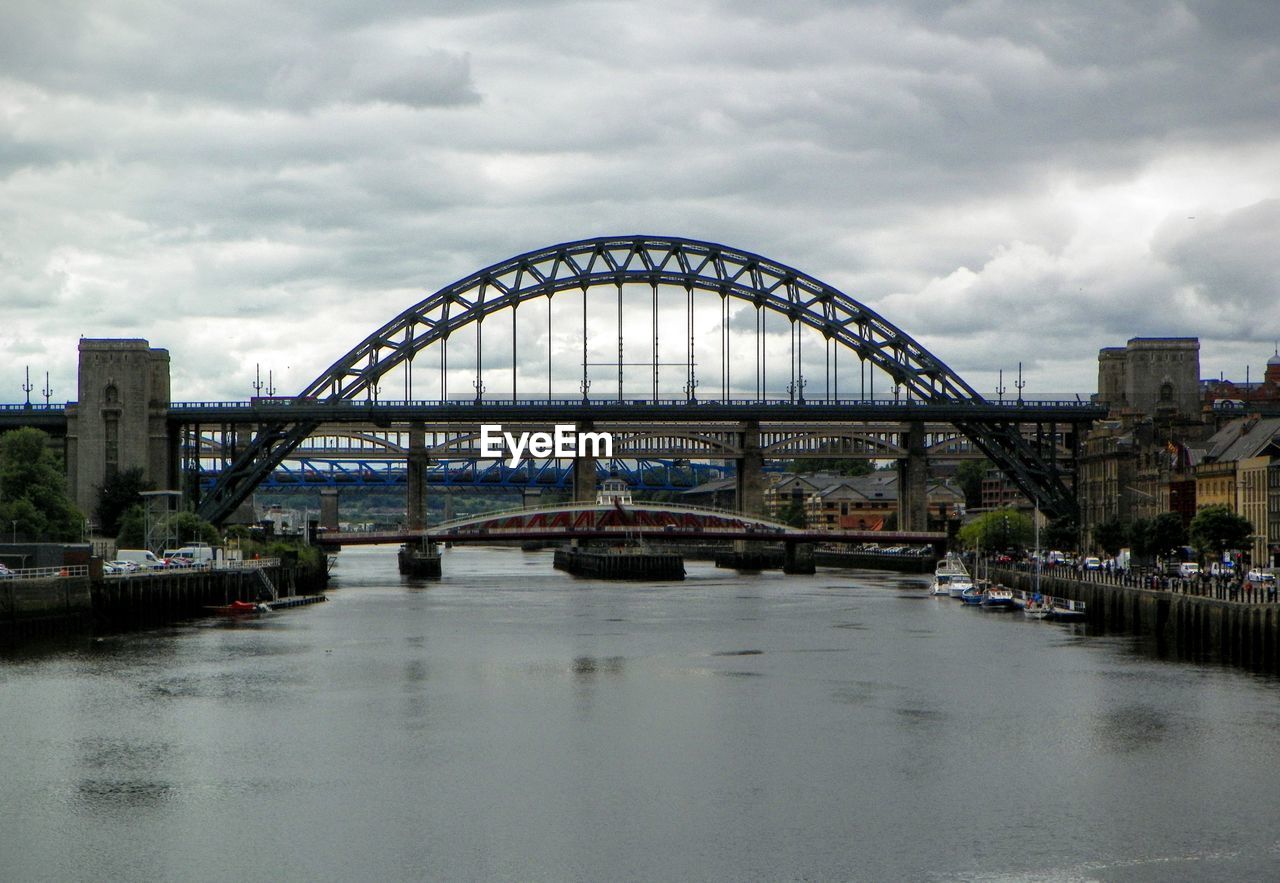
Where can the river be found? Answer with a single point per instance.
(514, 723)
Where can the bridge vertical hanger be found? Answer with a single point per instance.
(478, 383)
(654, 286)
(586, 382)
(619, 342)
(548, 347)
(691, 386)
(724, 347)
(514, 337)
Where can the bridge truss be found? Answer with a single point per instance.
(604, 265)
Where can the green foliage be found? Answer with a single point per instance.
(1060, 533)
(1000, 529)
(188, 527)
(33, 490)
(792, 514)
(116, 495)
(1216, 529)
(1152, 537)
(1166, 533)
(832, 465)
(969, 477)
(133, 529)
(1111, 535)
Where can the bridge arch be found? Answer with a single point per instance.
(657, 261)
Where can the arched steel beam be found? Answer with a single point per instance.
(649, 260)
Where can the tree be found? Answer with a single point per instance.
(133, 528)
(1061, 533)
(117, 494)
(188, 527)
(1166, 533)
(969, 477)
(999, 529)
(1111, 536)
(1216, 529)
(833, 465)
(33, 489)
(792, 514)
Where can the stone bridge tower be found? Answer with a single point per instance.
(119, 422)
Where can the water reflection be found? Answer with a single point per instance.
(1131, 728)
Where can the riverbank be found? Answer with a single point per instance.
(72, 599)
(1183, 623)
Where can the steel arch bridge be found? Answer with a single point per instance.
(612, 262)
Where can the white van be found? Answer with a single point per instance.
(144, 558)
(1188, 569)
(199, 555)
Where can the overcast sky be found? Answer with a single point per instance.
(267, 182)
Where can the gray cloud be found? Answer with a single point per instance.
(1007, 182)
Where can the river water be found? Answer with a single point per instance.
(514, 723)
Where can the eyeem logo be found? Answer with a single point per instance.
(564, 442)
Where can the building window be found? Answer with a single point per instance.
(1166, 392)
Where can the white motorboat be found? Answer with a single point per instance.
(950, 577)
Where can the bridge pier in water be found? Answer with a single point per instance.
(416, 478)
(750, 477)
(913, 488)
(329, 508)
(584, 471)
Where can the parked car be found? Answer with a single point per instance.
(5, 572)
(1187, 569)
(110, 568)
(1092, 563)
(1260, 576)
(125, 566)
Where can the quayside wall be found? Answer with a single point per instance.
(1187, 625)
(54, 604)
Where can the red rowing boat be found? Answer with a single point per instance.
(239, 607)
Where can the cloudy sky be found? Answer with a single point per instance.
(264, 183)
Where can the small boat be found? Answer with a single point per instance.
(1061, 610)
(1036, 609)
(972, 595)
(998, 598)
(239, 608)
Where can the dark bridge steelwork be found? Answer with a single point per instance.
(653, 261)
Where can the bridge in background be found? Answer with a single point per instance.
(670, 302)
(632, 521)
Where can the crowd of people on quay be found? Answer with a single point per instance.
(1250, 587)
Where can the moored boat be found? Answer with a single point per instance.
(950, 577)
(998, 598)
(239, 608)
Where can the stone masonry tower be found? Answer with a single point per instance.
(1151, 376)
(118, 423)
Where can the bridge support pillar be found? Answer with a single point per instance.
(913, 486)
(416, 479)
(584, 472)
(119, 420)
(750, 478)
(329, 508)
(797, 558)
